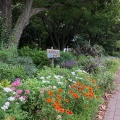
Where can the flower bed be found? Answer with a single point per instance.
(50, 97)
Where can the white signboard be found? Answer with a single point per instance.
(52, 53)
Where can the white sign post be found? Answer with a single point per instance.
(52, 53)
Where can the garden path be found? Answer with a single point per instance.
(113, 108)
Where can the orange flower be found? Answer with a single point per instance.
(59, 90)
(71, 92)
(77, 83)
(73, 86)
(59, 96)
(75, 96)
(49, 100)
(67, 100)
(90, 88)
(60, 110)
(57, 103)
(69, 112)
(50, 93)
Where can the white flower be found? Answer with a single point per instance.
(21, 98)
(7, 89)
(57, 77)
(74, 82)
(81, 78)
(73, 73)
(62, 77)
(70, 80)
(54, 87)
(48, 77)
(7, 103)
(42, 77)
(11, 98)
(59, 117)
(4, 107)
(14, 93)
(44, 81)
(60, 83)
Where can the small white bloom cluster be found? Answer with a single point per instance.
(7, 89)
(11, 98)
(58, 77)
(5, 106)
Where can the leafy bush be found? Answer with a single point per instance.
(11, 72)
(95, 50)
(39, 57)
(65, 59)
(92, 65)
(116, 54)
(106, 80)
(12, 65)
(69, 64)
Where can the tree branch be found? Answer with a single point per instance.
(39, 10)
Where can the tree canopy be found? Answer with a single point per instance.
(58, 21)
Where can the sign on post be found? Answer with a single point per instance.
(52, 53)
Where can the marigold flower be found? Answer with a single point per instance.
(71, 92)
(69, 112)
(60, 90)
(49, 100)
(60, 110)
(75, 95)
(50, 93)
(67, 100)
(77, 83)
(59, 96)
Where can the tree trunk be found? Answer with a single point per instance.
(22, 22)
(6, 19)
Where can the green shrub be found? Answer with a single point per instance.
(91, 64)
(39, 57)
(64, 57)
(12, 65)
(106, 80)
(116, 54)
(11, 72)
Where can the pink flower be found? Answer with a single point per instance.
(19, 92)
(17, 96)
(13, 88)
(42, 91)
(25, 97)
(37, 111)
(27, 92)
(16, 83)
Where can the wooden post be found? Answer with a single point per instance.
(52, 61)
